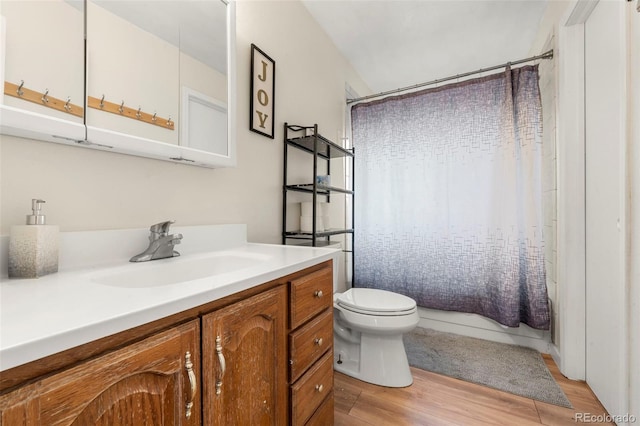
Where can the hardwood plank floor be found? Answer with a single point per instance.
(434, 399)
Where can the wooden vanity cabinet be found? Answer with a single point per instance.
(259, 357)
(311, 348)
(244, 361)
(151, 382)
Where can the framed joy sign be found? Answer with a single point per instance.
(263, 85)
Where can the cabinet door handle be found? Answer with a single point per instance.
(318, 341)
(223, 365)
(192, 381)
(319, 388)
(318, 294)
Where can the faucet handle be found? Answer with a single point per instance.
(162, 227)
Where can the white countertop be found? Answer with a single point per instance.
(43, 316)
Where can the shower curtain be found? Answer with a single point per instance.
(448, 197)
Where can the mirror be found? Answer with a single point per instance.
(156, 78)
(42, 67)
(158, 72)
(203, 77)
(133, 62)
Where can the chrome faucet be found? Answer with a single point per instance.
(161, 243)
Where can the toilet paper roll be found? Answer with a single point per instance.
(306, 209)
(326, 222)
(306, 224)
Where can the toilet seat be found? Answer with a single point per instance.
(369, 301)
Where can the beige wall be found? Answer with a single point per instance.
(90, 190)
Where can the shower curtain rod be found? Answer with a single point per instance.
(546, 55)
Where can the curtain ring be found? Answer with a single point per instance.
(19, 91)
(44, 97)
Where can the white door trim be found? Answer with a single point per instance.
(571, 193)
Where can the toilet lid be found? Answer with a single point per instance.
(374, 300)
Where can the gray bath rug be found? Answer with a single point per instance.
(514, 369)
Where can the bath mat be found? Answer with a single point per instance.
(514, 369)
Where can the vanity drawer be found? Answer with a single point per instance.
(309, 342)
(323, 415)
(310, 295)
(313, 387)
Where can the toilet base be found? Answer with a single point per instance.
(379, 359)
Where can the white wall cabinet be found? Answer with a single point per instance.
(138, 65)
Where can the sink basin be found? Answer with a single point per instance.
(157, 273)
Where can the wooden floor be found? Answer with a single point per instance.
(434, 399)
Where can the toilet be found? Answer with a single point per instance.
(368, 326)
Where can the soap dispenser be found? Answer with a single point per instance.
(33, 248)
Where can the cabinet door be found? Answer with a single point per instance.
(42, 69)
(152, 382)
(244, 362)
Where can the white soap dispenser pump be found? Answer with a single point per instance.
(33, 248)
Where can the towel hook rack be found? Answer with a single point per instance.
(42, 98)
(133, 113)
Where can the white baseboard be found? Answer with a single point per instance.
(554, 351)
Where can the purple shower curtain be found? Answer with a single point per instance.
(448, 196)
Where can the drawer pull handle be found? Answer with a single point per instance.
(318, 294)
(192, 381)
(318, 341)
(223, 365)
(319, 388)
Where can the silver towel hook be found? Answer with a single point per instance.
(138, 113)
(169, 123)
(154, 116)
(44, 97)
(102, 102)
(121, 109)
(20, 92)
(66, 105)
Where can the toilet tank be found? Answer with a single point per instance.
(339, 274)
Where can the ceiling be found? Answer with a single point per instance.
(399, 43)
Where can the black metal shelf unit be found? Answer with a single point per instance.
(307, 138)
